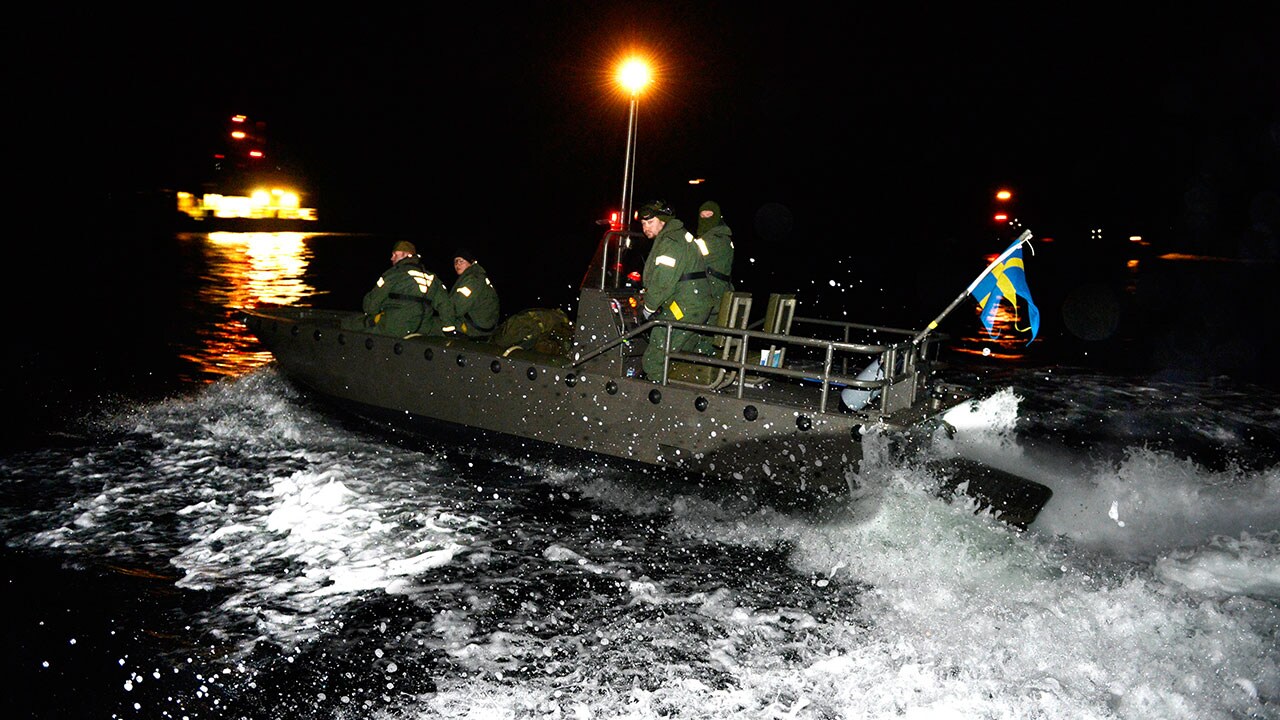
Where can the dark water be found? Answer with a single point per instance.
(188, 536)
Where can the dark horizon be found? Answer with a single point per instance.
(826, 133)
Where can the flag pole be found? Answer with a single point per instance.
(1024, 237)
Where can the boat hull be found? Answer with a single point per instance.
(539, 397)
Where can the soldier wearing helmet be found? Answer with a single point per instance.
(676, 286)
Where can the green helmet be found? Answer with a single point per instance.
(658, 209)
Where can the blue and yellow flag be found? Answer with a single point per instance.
(1006, 279)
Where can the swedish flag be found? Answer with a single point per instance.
(1006, 279)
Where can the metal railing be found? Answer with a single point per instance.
(902, 362)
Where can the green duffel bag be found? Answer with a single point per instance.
(544, 330)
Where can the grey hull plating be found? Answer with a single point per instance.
(540, 397)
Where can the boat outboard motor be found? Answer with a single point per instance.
(857, 398)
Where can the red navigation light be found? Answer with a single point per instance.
(634, 276)
(615, 220)
(1001, 217)
(255, 153)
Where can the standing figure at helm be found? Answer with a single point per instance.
(718, 239)
(407, 300)
(715, 240)
(675, 284)
(473, 302)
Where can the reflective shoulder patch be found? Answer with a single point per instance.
(702, 246)
(665, 260)
(688, 236)
(466, 291)
(381, 281)
(424, 280)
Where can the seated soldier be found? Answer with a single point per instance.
(474, 301)
(407, 299)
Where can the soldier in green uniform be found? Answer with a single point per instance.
(407, 300)
(675, 284)
(715, 241)
(474, 301)
(718, 239)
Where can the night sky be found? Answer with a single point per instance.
(817, 130)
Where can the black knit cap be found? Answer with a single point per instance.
(465, 254)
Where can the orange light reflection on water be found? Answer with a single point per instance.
(243, 270)
(1008, 344)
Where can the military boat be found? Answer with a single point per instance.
(782, 404)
